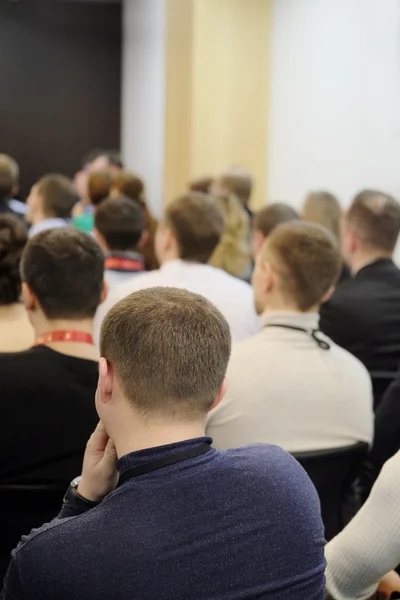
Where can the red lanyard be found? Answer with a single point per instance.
(117, 263)
(65, 336)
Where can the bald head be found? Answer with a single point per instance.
(9, 175)
(374, 218)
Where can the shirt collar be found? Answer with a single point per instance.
(177, 264)
(367, 263)
(291, 318)
(47, 224)
(140, 457)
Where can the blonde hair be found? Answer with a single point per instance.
(233, 251)
(323, 208)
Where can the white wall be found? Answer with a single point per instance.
(335, 98)
(143, 94)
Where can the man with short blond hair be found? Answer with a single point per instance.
(363, 314)
(289, 384)
(159, 513)
(185, 240)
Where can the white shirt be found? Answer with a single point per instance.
(234, 298)
(369, 546)
(284, 389)
(47, 224)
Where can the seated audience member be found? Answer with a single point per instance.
(266, 220)
(50, 203)
(94, 161)
(235, 181)
(363, 314)
(186, 238)
(290, 385)
(120, 231)
(99, 184)
(324, 208)
(183, 521)
(47, 391)
(130, 185)
(16, 332)
(9, 185)
(386, 433)
(9, 173)
(203, 185)
(369, 547)
(232, 254)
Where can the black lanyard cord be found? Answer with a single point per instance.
(171, 459)
(323, 344)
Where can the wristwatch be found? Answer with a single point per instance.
(73, 499)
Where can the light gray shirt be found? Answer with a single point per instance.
(284, 389)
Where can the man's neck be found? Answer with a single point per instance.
(140, 436)
(78, 349)
(363, 259)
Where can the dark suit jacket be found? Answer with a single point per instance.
(363, 316)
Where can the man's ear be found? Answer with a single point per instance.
(143, 240)
(327, 296)
(28, 297)
(220, 395)
(105, 383)
(104, 291)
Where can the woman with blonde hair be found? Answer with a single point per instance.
(324, 208)
(233, 251)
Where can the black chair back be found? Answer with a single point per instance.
(23, 508)
(333, 472)
(381, 380)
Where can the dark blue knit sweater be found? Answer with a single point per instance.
(234, 525)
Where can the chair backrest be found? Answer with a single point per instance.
(23, 508)
(333, 472)
(381, 380)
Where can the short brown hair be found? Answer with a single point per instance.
(9, 175)
(197, 224)
(99, 186)
(64, 268)
(129, 184)
(273, 215)
(173, 371)
(323, 208)
(307, 259)
(58, 195)
(238, 181)
(375, 218)
(202, 185)
(13, 237)
(121, 222)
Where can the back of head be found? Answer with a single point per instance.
(175, 371)
(232, 254)
(99, 186)
(202, 185)
(64, 268)
(57, 194)
(13, 238)
(306, 259)
(374, 217)
(120, 221)
(323, 208)
(9, 175)
(197, 224)
(130, 185)
(237, 181)
(275, 214)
